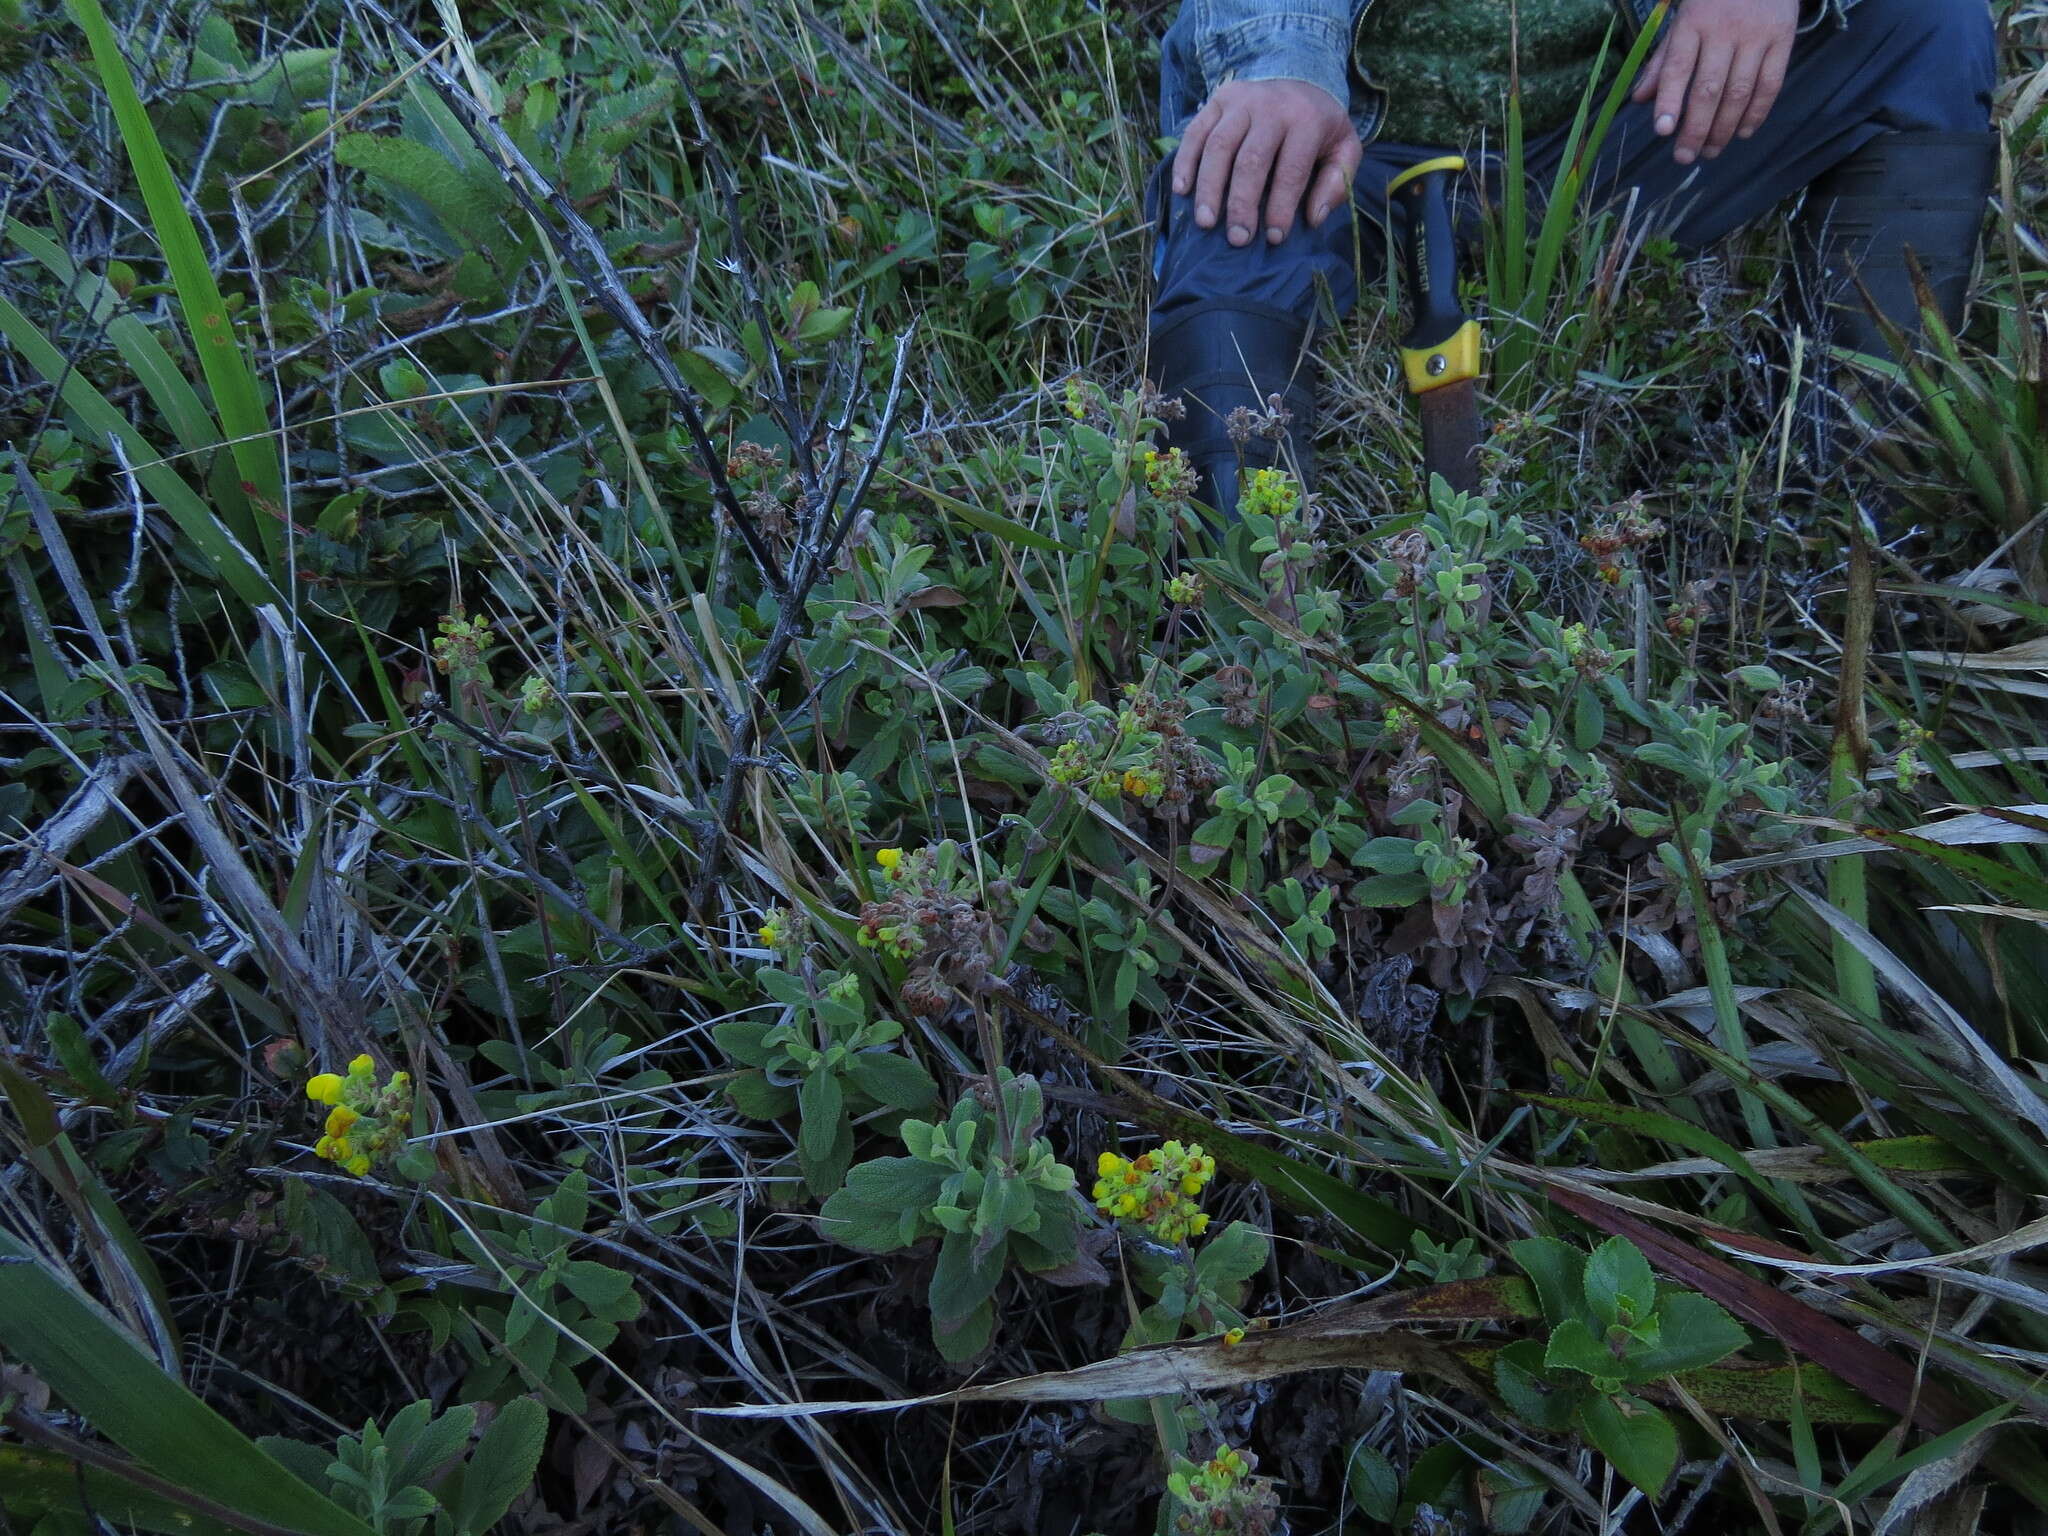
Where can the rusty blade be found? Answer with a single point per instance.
(1451, 433)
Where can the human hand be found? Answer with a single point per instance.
(1251, 130)
(1722, 62)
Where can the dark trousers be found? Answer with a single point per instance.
(1895, 65)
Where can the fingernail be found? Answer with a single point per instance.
(1682, 156)
(1666, 123)
(1322, 213)
(1274, 235)
(1180, 186)
(1205, 216)
(1745, 133)
(1710, 154)
(1239, 234)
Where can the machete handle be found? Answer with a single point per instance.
(1442, 345)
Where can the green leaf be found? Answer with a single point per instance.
(961, 1281)
(822, 1104)
(1530, 1392)
(42, 1488)
(1619, 1281)
(502, 1466)
(1696, 1331)
(893, 1079)
(1558, 1270)
(1389, 855)
(968, 1337)
(758, 1099)
(221, 546)
(1390, 890)
(601, 1288)
(104, 1375)
(1575, 1347)
(464, 206)
(237, 397)
(845, 1218)
(424, 1444)
(997, 526)
(1638, 1439)
(1372, 1482)
(1233, 1255)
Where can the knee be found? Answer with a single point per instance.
(1951, 40)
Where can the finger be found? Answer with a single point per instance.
(1297, 162)
(1770, 80)
(1675, 76)
(1735, 99)
(1646, 82)
(1703, 99)
(1219, 152)
(1334, 185)
(1192, 138)
(1248, 179)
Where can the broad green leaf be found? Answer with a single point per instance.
(1372, 1482)
(1618, 1280)
(1233, 1255)
(962, 1279)
(423, 1443)
(757, 1098)
(1696, 1331)
(502, 1466)
(1557, 1268)
(1575, 1347)
(968, 1337)
(101, 1373)
(848, 1219)
(893, 1079)
(1637, 1438)
(822, 1104)
(600, 1288)
(1529, 1391)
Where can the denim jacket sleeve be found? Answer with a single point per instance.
(1298, 40)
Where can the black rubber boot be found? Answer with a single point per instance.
(1223, 358)
(1923, 192)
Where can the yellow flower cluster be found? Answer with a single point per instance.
(1271, 493)
(1156, 1190)
(364, 1121)
(1168, 476)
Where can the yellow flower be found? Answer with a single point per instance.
(340, 1119)
(358, 1165)
(1107, 1164)
(1233, 1337)
(889, 858)
(770, 935)
(324, 1147)
(324, 1089)
(362, 1066)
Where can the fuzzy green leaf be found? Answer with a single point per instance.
(1637, 1438)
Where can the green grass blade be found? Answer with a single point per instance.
(237, 394)
(40, 1484)
(99, 1370)
(197, 521)
(168, 388)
